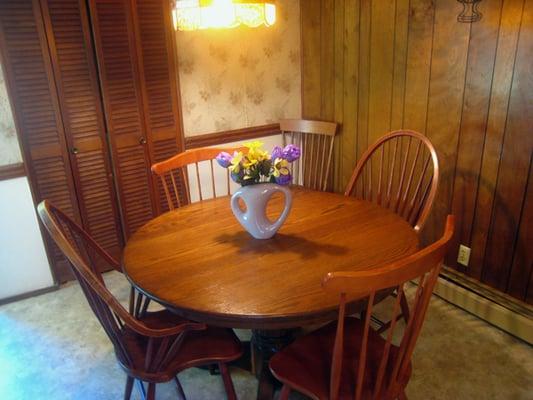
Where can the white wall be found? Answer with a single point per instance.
(23, 263)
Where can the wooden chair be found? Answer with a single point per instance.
(174, 170)
(151, 347)
(315, 139)
(347, 359)
(400, 172)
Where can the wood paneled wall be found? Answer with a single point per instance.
(376, 66)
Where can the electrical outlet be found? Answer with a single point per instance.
(464, 255)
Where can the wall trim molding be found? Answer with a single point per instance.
(515, 321)
(12, 171)
(234, 135)
(27, 295)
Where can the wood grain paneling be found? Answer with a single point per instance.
(363, 93)
(345, 90)
(400, 62)
(311, 82)
(511, 187)
(418, 68)
(381, 66)
(523, 254)
(445, 100)
(479, 71)
(468, 87)
(511, 16)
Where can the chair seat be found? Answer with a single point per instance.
(208, 346)
(305, 365)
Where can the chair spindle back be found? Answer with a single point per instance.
(315, 140)
(395, 360)
(175, 170)
(400, 172)
(82, 252)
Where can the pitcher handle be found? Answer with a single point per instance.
(239, 214)
(288, 204)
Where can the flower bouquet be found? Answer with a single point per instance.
(258, 166)
(261, 175)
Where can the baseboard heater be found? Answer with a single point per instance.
(502, 311)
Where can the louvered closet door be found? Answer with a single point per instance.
(75, 73)
(119, 78)
(157, 66)
(31, 87)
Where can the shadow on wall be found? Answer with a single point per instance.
(483, 231)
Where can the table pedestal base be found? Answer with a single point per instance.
(264, 344)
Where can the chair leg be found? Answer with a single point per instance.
(141, 389)
(252, 358)
(285, 392)
(180, 388)
(129, 387)
(405, 308)
(151, 391)
(228, 383)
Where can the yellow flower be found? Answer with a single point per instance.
(255, 153)
(248, 163)
(236, 162)
(253, 145)
(280, 167)
(261, 155)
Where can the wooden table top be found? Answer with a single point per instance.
(200, 262)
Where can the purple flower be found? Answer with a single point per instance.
(224, 159)
(291, 153)
(276, 153)
(237, 177)
(283, 179)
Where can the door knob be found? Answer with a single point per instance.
(142, 140)
(74, 150)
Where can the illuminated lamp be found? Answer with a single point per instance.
(190, 15)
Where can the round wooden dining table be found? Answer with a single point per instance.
(201, 264)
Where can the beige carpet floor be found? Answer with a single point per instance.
(51, 347)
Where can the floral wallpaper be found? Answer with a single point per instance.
(234, 78)
(9, 147)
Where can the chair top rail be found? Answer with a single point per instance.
(308, 126)
(191, 157)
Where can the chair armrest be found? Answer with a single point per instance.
(141, 328)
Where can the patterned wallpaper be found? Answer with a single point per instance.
(9, 147)
(234, 78)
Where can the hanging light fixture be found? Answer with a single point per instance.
(190, 15)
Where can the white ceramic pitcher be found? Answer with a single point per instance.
(256, 198)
